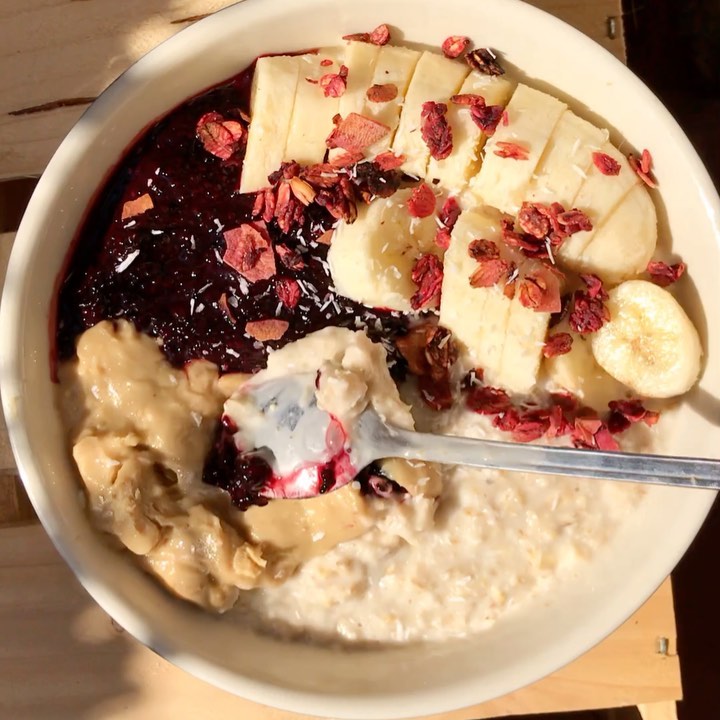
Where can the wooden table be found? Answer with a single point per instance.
(61, 657)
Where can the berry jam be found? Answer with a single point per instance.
(163, 271)
(244, 476)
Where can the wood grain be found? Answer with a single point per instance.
(63, 658)
(7, 463)
(658, 711)
(56, 55)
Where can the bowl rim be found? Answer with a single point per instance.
(11, 384)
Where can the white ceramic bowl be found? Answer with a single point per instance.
(389, 683)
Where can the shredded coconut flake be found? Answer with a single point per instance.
(125, 264)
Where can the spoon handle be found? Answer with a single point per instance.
(630, 467)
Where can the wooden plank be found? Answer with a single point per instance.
(658, 711)
(60, 650)
(7, 462)
(56, 55)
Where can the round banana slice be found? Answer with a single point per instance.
(649, 344)
(371, 260)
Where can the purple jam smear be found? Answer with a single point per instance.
(244, 476)
(171, 289)
(163, 270)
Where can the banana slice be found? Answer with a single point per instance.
(624, 244)
(272, 99)
(477, 317)
(436, 78)
(578, 372)
(650, 344)
(360, 60)
(522, 349)
(312, 114)
(454, 171)
(395, 66)
(371, 260)
(599, 195)
(503, 182)
(566, 160)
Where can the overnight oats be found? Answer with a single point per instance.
(427, 237)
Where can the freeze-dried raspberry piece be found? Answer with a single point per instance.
(288, 292)
(442, 238)
(540, 290)
(435, 129)
(449, 213)
(531, 426)
(574, 220)
(663, 274)
(436, 394)
(643, 167)
(334, 84)
(631, 411)
(511, 150)
(427, 274)
(421, 203)
(389, 161)
(487, 117)
(454, 46)
(594, 285)
(290, 258)
(481, 249)
(289, 211)
(379, 36)
(489, 272)
(469, 99)
(589, 314)
(606, 164)
(486, 400)
(533, 220)
(557, 344)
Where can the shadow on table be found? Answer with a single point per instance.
(62, 657)
(675, 48)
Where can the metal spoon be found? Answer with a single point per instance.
(291, 431)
